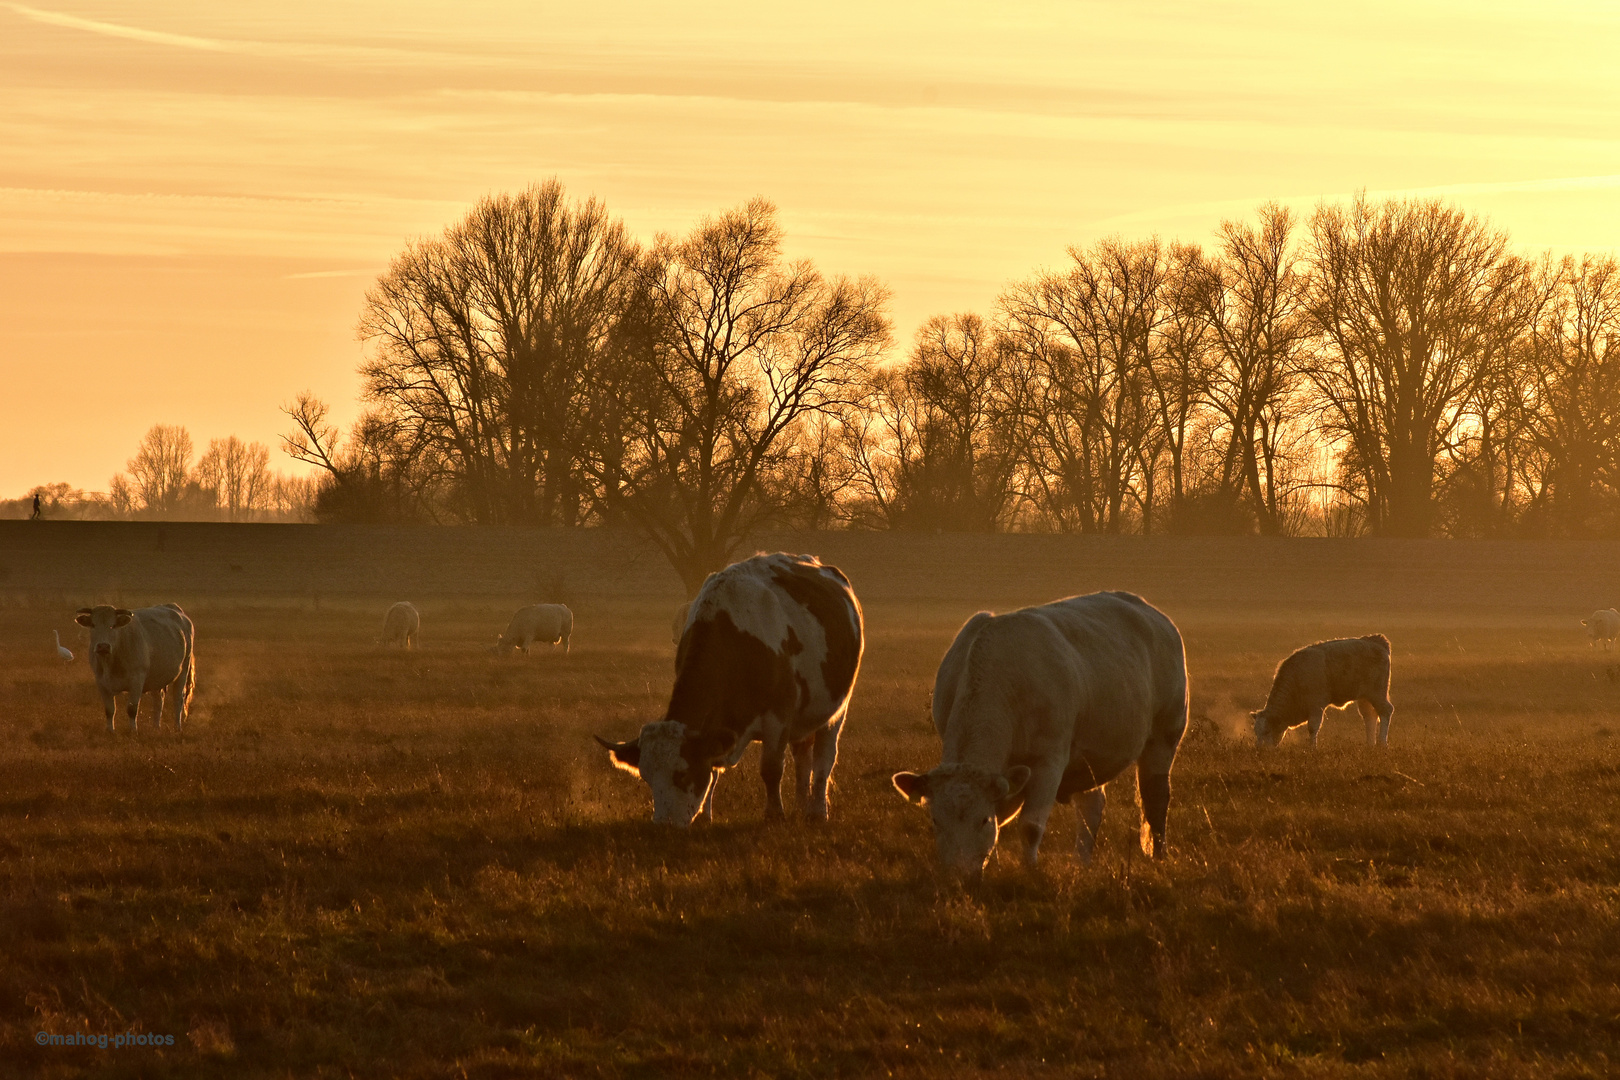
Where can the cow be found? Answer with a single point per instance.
(1603, 626)
(1039, 705)
(401, 625)
(1327, 673)
(551, 623)
(146, 651)
(770, 652)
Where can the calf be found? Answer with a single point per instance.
(1334, 673)
(146, 651)
(1039, 705)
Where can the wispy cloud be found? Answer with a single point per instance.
(364, 271)
(129, 33)
(278, 50)
(1227, 208)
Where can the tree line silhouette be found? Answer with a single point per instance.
(231, 481)
(1384, 368)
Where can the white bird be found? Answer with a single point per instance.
(60, 651)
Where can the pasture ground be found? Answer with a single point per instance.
(358, 862)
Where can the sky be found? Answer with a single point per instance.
(195, 196)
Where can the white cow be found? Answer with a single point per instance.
(401, 625)
(1039, 705)
(1603, 626)
(770, 652)
(146, 651)
(551, 623)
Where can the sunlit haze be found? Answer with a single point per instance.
(195, 196)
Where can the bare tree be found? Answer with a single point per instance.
(1574, 367)
(1178, 369)
(1408, 301)
(384, 471)
(1252, 300)
(745, 348)
(158, 472)
(483, 344)
(238, 475)
(945, 439)
(1089, 337)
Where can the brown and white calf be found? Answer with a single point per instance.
(1334, 673)
(145, 651)
(769, 654)
(1037, 706)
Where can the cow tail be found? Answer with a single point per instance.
(187, 682)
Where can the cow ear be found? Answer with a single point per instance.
(85, 617)
(914, 786)
(624, 755)
(1014, 781)
(122, 616)
(1012, 789)
(703, 750)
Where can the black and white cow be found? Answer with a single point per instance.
(769, 654)
(1040, 705)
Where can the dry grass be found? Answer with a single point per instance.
(369, 863)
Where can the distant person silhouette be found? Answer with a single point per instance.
(36, 515)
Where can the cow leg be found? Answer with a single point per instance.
(1154, 789)
(1316, 724)
(1386, 712)
(1089, 811)
(109, 702)
(1040, 795)
(801, 775)
(772, 755)
(1369, 717)
(132, 707)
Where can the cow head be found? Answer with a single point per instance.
(678, 766)
(103, 621)
(969, 805)
(1268, 729)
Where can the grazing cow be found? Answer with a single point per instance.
(146, 651)
(551, 623)
(1328, 673)
(401, 625)
(1603, 626)
(770, 653)
(1039, 705)
(677, 625)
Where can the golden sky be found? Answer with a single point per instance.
(194, 195)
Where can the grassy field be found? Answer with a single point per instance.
(368, 863)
